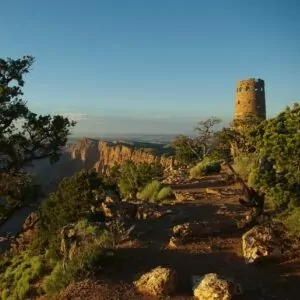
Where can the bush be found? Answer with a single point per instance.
(292, 222)
(150, 191)
(23, 270)
(205, 167)
(155, 192)
(134, 177)
(165, 193)
(277, 143)
(82, 266)
(245, 164)
(68, 204)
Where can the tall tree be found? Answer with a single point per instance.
(24, 135)
(205, 131)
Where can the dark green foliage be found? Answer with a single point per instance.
(154, 191)
(277, 142)
(205, 131)
(187, 150)
(37, 136)
(205, 167)
(24, 135)
(93, 252)
(74, 197)
(21, 272)
(133, 177)
(292, 221)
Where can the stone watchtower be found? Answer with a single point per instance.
(250, 99)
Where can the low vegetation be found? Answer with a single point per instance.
(156, 192)
(132, 178)
(21, 272)
(205, 167)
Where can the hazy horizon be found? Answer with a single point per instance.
(155, 67)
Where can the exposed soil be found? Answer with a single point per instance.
(221, 253)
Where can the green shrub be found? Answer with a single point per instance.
(277, 142)
(82, 266)
(245, 164)
(292, 222)
(23, 270)
(205, 167)
(165, 193)
(150, 191)
(155, 192)
(57, 280)
(68, 204)
(134, 177)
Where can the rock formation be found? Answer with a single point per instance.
(158, 282)
(214, 287)
(112, 154)
(85, 150)
(266, 240)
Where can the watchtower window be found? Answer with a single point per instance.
(239, 102)
(247, 88)
(241, 89)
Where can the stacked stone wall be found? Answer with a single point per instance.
(250, 99)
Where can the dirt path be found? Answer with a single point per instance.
(221, 254)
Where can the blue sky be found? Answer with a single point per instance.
(159, 66)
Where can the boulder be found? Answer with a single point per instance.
(265, 240)
(30, 221)
(186, 232)
(183, 196)
(214, 287)
(119, 209)
(158, 282)
(148, 211)
(108, 209)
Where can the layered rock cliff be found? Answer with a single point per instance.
(112, 154)
(104, 155)
(86, 151)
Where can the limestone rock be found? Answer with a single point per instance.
(30, 221)
(112, 198)
(158, 282)
(186, 232)
(120, 210)
(114, 153)
(148, 211)
(183, 196)
(261, 241)
(214, 287)
(28, 234)
(109, 209)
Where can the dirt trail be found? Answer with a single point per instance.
(221, 254)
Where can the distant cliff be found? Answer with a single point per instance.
(111, 154)
(86, 151)
(104, 155)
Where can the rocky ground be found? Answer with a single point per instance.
(211, 208)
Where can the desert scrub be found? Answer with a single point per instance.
(292, 221)
(82, 266)
(22, 271)
(245, 164)
(205, 167)
(155, 192)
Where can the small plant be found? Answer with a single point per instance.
(22, 271)
(155, 192)
(245, 164)
(292, 222)
(205, 167)
(165, 193)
